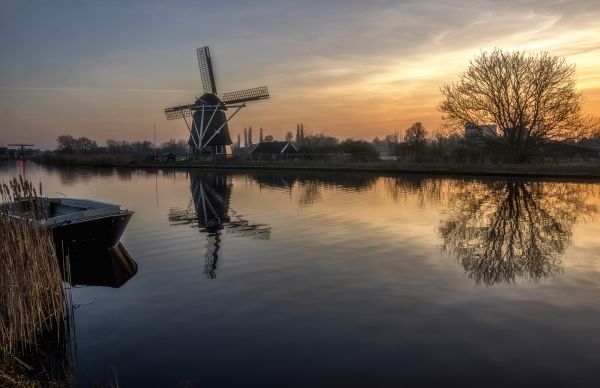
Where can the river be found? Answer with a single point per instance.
(321, 279)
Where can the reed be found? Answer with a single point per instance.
(34, 303)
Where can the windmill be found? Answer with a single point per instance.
(209, 134)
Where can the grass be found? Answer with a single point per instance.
(553, 169)
(81, 159)
(34, 304)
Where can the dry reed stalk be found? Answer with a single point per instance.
(33, 300)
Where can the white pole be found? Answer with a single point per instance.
(222, 125)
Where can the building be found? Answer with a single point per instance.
(272, 148)
(488, 131)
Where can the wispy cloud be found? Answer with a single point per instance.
(352, 68)
(84, 89)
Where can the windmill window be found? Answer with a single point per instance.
(219, 149)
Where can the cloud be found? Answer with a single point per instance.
(118, 90)
(352, 68)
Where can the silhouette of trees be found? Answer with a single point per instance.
(68, 144)
(530, 98)
(321, 143)
(124, 147)
(65, 144)
(416, 140)
(502, 230)
(175, 147)
(299, 134)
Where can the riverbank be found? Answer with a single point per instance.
(577, 170)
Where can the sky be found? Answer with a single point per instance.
(352, 69)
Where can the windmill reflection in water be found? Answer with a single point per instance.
(209, 209)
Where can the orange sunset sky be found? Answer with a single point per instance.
(348, 68)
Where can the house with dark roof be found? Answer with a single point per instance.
(482, 131)
(272, 148)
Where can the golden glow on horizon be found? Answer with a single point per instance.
(343, 93)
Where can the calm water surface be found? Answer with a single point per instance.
(301, 279)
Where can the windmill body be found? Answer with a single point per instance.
(203, 118)
(206, 119)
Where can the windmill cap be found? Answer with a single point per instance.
(208, 99)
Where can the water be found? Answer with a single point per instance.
(314, 279)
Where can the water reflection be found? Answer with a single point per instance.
(502, 230)
(311, 185)
(77, 174)
(209, 209)
(428, 191)
(108, 268)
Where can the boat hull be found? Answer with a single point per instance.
(99, 233)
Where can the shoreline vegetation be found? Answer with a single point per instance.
(555, 170)
(34, 302)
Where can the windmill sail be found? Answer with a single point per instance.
(259, 93)
(178, 112)
(206, 70)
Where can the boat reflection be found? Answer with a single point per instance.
(503, 230)
(209, 209)
(105, 267)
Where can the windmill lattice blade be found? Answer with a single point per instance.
(259, 93)
(206, 70)
(178, 112)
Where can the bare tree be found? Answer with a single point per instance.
(531, 98)
(85, 145)
(591, 127)
(416, 140)
(66, 144)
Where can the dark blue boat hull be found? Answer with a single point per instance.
(98, 233)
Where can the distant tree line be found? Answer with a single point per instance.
(68, 144)
(359, 150)
(418, 145)
(313, 143)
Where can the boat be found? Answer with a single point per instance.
(77, 224)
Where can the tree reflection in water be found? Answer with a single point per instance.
(427, 191)
(503, 230)
(309, 186)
